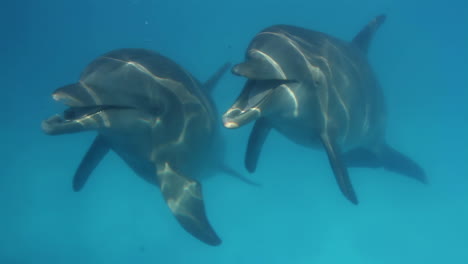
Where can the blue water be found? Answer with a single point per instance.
(298, 216)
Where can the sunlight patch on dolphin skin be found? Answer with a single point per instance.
(345, 79)
(325, 46)
(283, 36)
(91, 92)
(345, 110)
(151, 122)
(143, 69)
(293, 98)
(231, 124)
(345, 107)
(289, 41)
(85, 120)
(179, 196)
(65, 98)
(241, 117)
(103, 115)
(172, 144)
(176, 87)
(323, 92)
(342, 102)
(254, 109)
(181, 138)
(275, 65)
(155, 122)
(228, 112)
(295, 45)
(317, 70)
(298, 44)
(241, 111)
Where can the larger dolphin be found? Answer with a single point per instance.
(319, 91)
(157, 117)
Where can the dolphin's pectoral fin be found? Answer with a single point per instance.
(257, 138)
(92, 158)
(184, 198)
(211, 83)
(339, 168)
(237, 175)
(388, 158)
(364, 37)
(258, 69)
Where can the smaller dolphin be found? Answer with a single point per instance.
(321, 92)
(158, 118)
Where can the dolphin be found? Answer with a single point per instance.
(158, 118)
(320, 92)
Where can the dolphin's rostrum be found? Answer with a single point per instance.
(318, 91)
(158, 118)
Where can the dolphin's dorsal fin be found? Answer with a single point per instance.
(364, 37)
(211, 83)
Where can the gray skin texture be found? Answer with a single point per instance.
(157, 118)
(320, 92)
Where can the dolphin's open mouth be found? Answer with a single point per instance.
(252, 102)
(76, 113)
(257, 95)
(248, 107)
(76, 119)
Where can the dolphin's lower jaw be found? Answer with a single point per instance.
(236, 117)
(56, 125)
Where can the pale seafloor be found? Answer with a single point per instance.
(298, 215)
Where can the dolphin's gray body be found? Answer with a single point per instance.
(157, 118)
(319, 91)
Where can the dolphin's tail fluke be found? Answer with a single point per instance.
(389, 159)
(230, 171)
